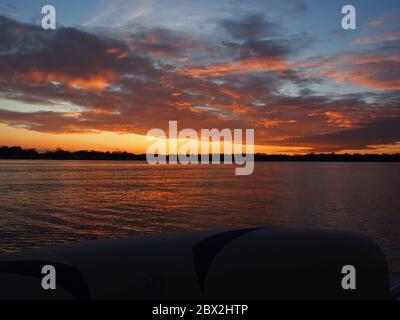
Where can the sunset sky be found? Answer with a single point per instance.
(115, 69)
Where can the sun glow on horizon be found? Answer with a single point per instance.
(109, 141)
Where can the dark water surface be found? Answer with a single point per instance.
(56, 202)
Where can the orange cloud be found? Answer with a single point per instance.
(235, 94)
(364, 76)
(123, 55)
(92, 82)
(242, 66)
(339, 119)
(114, 51)
(373, 59)
(371, 71)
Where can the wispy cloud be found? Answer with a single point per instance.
(378, 38)
(383, 19)
(120, 13)
(377, 22)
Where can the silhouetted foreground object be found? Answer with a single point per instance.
(251, 264)
(17, 153)
(31, 154)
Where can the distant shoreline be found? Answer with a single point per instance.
(17, 153)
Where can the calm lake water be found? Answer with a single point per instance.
(56, 202)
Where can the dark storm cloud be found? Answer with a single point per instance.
(253, 36)
(250, 27)
(381, 132)
(293, 6)
(250, 48)
(300, 7)
(68, 55)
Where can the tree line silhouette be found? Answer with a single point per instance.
(17, 153)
